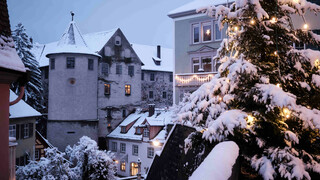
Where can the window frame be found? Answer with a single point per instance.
(195, 64)
(52, 63)
(206, 23)
(70, 62)
(123, 129)
(107, 89)
(118, 69)
(150, 152)
(164, 95)
(142, 76)
(171, 77)
(114, 146)
(123, 166)
(151, 93)
(37, 154)
(90, 64)
(214, 63)
(197, 25)
(216, 25)
(104, 68)
(146, 132)
(135, 150)
(127, 89)
(122, 147)
(12, 129)
(152, 76)
(131, 70)
(26, 131)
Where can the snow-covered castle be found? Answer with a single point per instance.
(94, 81)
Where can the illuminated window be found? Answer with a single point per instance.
(127, 89)
(195, 33)
(206, 31)
(150, 152)
(135, 150)
(107, 88)
(70, 62)
(133, 168)
(123, 166)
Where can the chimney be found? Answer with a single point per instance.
(159, 51)
(151, 109)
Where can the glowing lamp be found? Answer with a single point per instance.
(116, 161)
(305, 26)
(250, 119)
(275, 53)
(236, 28)
(278, 85)
(252, 21)
(156, 143)
(208, 31)
(286, 112)
(273, 20)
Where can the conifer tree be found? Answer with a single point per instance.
(33, 89)
(266, 95)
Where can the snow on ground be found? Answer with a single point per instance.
(21, 109)
(218, 164)
(9, 58)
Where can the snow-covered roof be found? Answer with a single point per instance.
(218, 163)
(21, 109)
(9, 58)
(192, 6)
(71, 42)
(155, 122)
(148, 54)
(96, 41)
(140, 117)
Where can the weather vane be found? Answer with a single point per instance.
(72, 14)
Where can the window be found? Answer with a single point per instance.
(206, 31)
(52, 64)
(150, 94)
(119, 69)
(26, 131)
(151, 76)
(123, 129)
(109, 112)
(164, 95)
(107, 88)
(12, 130)
(142, 76)
(124, 113)
(138, 131)
(218, 33)
(130, 70)
(171, 77)
(90, 64)
(196, 65)
(123, 166)
(114, 146)
(133, 169)
(104, 68)
(206, 64)
(135, 150)
(70, 62)
(145, 132)
(195, 33)
(150, 152)
(127, 89)
(122, 147)
(36, 154)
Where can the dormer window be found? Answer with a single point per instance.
(117, 41)
(123, 129)
(138, 130)
(146, 132)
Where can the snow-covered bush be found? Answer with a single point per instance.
(265, 96)
(82, 161)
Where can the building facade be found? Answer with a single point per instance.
(94, 81)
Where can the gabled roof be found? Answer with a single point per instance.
(21, 109)
(96, 41)
(165, 116)
(71, 42)
(191, 7)
(9, 58)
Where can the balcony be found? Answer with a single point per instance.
(193, 79)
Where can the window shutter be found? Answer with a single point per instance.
(17, 131)
(30, 129)
(22, 131)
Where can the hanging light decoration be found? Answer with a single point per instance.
(273, 20)
(252, 21)
(202, 78)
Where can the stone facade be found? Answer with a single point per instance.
(159, 87)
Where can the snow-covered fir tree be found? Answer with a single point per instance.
(33, 89)
(266, 95)
(82, 161)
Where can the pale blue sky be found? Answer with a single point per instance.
(142, 21)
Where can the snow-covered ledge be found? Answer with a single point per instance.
(219, 162)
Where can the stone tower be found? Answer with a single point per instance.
(72, 108)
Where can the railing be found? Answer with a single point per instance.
(193, 79)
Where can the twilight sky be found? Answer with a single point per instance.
(142, 21)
